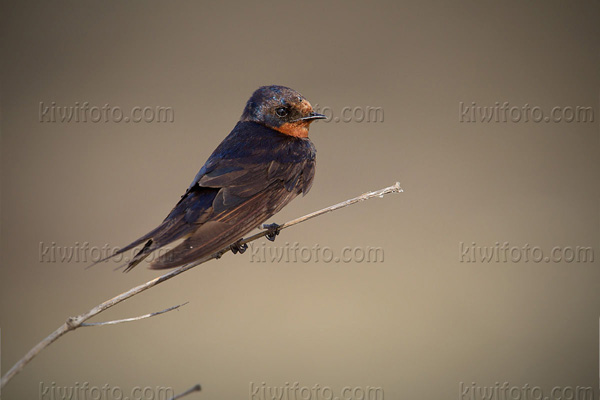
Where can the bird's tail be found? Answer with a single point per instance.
(140, 255)
(183, 220)
(162, 235)
(145, 238)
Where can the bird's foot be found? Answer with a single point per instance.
(273, 231)
(238, 247)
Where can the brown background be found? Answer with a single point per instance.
(417, 324)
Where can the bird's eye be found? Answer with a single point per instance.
(281, 112)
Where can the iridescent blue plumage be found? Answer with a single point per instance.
(263, 164)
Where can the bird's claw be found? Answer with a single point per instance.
(273, 231)
(238, 247)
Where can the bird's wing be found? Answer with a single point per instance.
(248, 195)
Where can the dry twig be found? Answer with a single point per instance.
(119, 321)
(195, 388)
(73, 323)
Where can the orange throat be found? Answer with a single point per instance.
(296, 129)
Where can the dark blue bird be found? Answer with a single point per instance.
(265, 162)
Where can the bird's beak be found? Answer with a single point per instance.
(312, 116)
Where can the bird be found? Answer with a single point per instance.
(264, 163)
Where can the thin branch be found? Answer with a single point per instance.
(365, 196)
(73, 323)
(195, 388)
(118, 321)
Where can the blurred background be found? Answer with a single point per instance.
(430, 318)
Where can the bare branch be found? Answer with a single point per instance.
(365, 196)
(195, 388)
(73, 323)
(118, 321)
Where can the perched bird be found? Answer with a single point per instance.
(265, 162)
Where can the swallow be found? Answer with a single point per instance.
(263, 164)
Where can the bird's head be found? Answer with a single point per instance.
(282, 109)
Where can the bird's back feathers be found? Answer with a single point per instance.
(251, 175)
